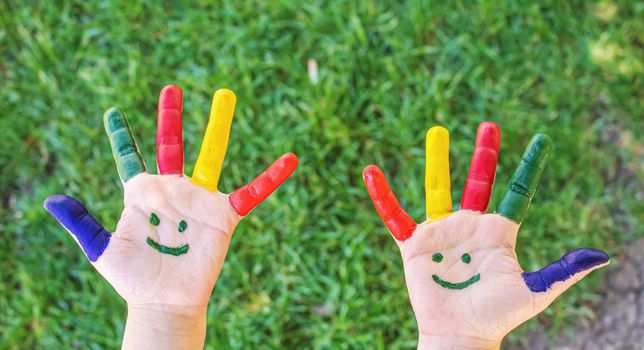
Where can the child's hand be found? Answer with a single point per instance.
(464, 281)
(173, 235)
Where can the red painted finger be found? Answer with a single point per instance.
(246, 198)
(399, 223)
(478, 186)
(169, 133)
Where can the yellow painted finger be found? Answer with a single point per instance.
(215, 142)
(437, 181)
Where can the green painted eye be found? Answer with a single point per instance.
(154, 219)
(182, 226)
(466, 258)
(437, 257)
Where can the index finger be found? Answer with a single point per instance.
(127, 157)
(523, 183)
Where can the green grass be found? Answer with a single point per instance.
(313, 267)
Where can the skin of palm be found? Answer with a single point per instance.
(143, 275)
(486, 310)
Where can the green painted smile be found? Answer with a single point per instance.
(465, 258)
(461, 285)
(176, 251)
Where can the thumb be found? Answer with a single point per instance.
(552, 280)
(73, 215)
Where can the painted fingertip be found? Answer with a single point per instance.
(53, 202)
(538, 149)
(583, 259)
(225, 94)
(64, 208)
(289, 160)
(114, 119)
(170, 97)
(437, 140)
(283, 167)
(369, 172)
(369, 168)
(488, 135)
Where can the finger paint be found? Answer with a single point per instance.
(215, 142)
(523, 183)
(570, 264)
(399, 223)
(169, 131)
(127, 157)
(176, 251)
(154, 219)
(73, 215)
(478, 186)
(182, 226)
(438, 198)
(460, 285)
(246, 198)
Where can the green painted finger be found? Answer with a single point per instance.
(124, 149)
(523, 184)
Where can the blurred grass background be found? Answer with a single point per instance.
(313, 267)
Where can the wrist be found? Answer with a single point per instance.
(158, 326)
(456, 341)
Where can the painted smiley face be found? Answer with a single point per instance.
(176, 251)
(465, 258)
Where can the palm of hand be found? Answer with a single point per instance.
(171, 241)
(465, 284)
(495, 300)
(138, 271)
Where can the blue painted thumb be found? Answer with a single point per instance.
(73, 215)
(573, 262)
